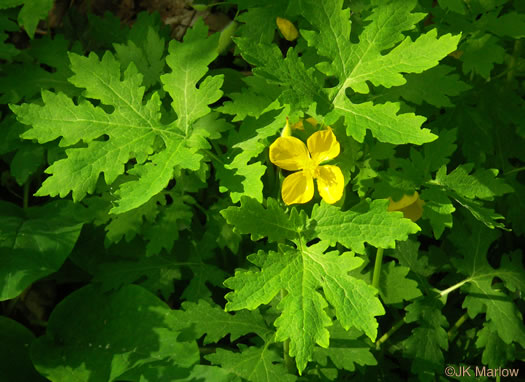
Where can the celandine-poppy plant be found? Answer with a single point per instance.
(290, 153)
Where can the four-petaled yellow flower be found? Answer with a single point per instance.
(290, 153)
(410, 205)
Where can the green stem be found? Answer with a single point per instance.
(454, 329)
(453, 287)
(12, 303)
(214, 157)
(387, 335)
(288, 361)
(216, 147)
(26, 194)
(400, 322)
(512, 63)
(518, 169)
(199, 207)
(377, 268)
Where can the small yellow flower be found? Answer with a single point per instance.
(290, 153)
(410, 205)
(299, 125)
(287, 28)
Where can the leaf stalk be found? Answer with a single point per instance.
(377, 268)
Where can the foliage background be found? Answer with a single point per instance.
(142, 234)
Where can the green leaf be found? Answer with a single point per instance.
(215, 323)
(106, 30)
(474, 242)
(11, 3)
(511, 271)
(462, 187)
(303, 272)
(127, 225)
(514, 215)
(162, 234)
(394, 286)
(189, 62)
(495, 351)
(426, 343)
(437, 153)
(300, 86)
(480, 54)
(131, 131)
(355, 64)
(259, 22)
(257, 98)
(346, 350)
(145, 48)
(7, 51)
(407, 252)
(189, 103)
(511, 24)
(32, 12)
(499, 309)
(434, 86)
(26, 79)
(203, 274)
(238, 173)
(155, 175)
(369, 222)
(384, 122)
(438, 209)
(130, 128)
(157, 273)
(482, 184)
(97, 345)
(35, 242)
(166, 371)
(253, 364)
(271, 222)
(15, 364)
(27, 160)
(485, 215)
(154, 273)
(457, 6)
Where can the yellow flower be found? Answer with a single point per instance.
(299, 125)
(290, 153)
(287, 28)
(410, 205)
(288, 129)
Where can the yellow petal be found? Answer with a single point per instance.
(323, 146)
(405, 201)
(286, 27)
(287, 130)
(330, 183)
(414, 211)
(297, 188)
(289, 153)
(298, 126)
(311, 121)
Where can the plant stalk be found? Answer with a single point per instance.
(387, 335)
(288, 361)
(454, 329)
(512, 63)
(401, 322)
(377, 268)
(27, 184)
(453, 287)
